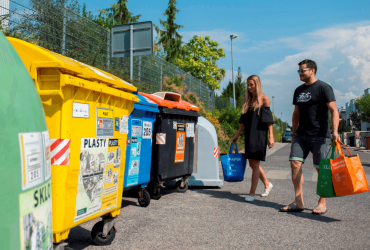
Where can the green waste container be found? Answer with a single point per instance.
(25, 186)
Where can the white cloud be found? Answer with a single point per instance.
(333, 69)
(353, 88)
(346, 45)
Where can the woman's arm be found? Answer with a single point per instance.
(271, 143)
(236, 137)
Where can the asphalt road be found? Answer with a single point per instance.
(219, 218)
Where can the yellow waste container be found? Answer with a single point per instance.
(86, 112)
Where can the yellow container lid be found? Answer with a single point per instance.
(35, 57)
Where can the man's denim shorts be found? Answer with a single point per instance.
(303, 145)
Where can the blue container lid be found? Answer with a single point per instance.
(146, 104)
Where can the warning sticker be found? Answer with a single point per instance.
(180, 143)
(189, 129)
(116, 124)
(35, 210)
(32, 159)
(147, 130)
(124, 125)
(105, 124)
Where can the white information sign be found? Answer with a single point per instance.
(147, 130)
(189, 129)
(80, 110)
(32, 159)
(47, 161)
(124, 125)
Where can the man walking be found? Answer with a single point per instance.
(310, 129)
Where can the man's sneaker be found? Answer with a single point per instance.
(250, 198)
(267, 191)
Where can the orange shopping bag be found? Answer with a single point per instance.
(347, 174)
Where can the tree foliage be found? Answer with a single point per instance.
(363, 104)
(199, 57)
(240, 89)
(169, 38)
(355, 120)
(343, 127)
(117, 14)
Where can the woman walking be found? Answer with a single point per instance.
(256, 120)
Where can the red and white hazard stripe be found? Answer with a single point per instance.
(59, 151)
(215, 152)
(160, 138)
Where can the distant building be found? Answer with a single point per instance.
(351, 107)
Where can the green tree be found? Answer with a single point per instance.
(100, 19)
(199, 57)
(363, 104)
(240, 89)
(119, 13)
(169, 38)
(343, 127)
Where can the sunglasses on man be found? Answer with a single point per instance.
(301, 71)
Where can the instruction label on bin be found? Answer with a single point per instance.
(91, 176)
(35, 211)
(147, 130)
(47, 158)
(32, 159)
(124, 125)
(134, 163)
(180, 142)
(189, 129)
(105, 123)
(110, 194)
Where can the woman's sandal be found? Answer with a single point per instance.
(292, 208)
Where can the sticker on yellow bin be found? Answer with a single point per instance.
(97, 188)
(105, 124)
(180, 143)
(36, 218)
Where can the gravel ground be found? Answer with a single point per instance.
(219, 218)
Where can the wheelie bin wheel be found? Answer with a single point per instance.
(97, 234)
(181, 189)
(145, 200)
(157, 192)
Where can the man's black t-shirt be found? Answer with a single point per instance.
(313, 111)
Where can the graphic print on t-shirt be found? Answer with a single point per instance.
(304, 97)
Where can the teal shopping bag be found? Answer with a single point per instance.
(233, 165)
(325, 186)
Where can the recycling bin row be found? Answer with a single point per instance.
(90, 138)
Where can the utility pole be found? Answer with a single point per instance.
(232, 66)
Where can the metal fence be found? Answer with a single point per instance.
(223, 102)
(63, 30)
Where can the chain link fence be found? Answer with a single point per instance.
(59, 28)
(223, 102)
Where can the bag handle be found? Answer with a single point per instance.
(338, 146)
(231, 148)
(332, 149)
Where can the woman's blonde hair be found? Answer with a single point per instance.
(249, 95)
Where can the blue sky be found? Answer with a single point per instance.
(273, 36)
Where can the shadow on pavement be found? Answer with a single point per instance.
(79, 238)
(262, 203)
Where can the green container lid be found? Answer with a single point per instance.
(25, 186)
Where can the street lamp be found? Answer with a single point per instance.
(281, 122)
(232, 65)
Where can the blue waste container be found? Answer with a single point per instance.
(139, 147)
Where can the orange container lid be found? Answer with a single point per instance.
(170, 100)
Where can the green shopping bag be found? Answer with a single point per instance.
(325, 186)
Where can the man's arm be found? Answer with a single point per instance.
(295, 119)
(334, 119)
